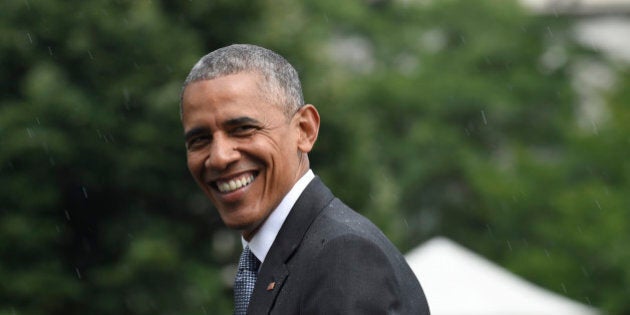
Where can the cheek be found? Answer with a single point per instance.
(194, 163)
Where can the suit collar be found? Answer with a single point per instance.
(274, 271)
(261, 243)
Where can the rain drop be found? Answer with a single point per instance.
(127, 97)
(489, 230)
(45, 146)
(483, 115)
(84, 192)
(549, 30)
(595, 129)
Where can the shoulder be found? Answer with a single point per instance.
(350, 262)
(339, 220)
(342, 236)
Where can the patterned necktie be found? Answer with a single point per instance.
(245, 280)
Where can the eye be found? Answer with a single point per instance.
(197, 142)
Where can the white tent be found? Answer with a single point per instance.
(457, 281)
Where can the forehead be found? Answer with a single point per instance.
(228, 86)
(235, 94)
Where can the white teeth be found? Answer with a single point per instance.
(235, 183)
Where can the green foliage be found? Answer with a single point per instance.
(453, 118)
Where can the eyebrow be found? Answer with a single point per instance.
(239, 121)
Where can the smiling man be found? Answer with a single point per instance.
(248, 133)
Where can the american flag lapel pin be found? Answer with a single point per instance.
(271, 286)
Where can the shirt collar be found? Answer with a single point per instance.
(263, 239)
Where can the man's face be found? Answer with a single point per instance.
(242, 150)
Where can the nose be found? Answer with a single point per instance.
(222, 153)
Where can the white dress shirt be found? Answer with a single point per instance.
(263, 239)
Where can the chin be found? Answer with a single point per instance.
(238, 224)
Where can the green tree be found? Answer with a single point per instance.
(459, 118)
(99, 215)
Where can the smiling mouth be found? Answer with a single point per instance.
(227, 186)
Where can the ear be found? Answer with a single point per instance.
(307, 119)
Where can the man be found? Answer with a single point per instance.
(248, 134)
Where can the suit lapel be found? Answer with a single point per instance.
(274, 270)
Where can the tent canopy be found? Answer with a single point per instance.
(457, 281)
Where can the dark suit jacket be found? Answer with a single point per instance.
(328, 259)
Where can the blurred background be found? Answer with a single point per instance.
(502, 125)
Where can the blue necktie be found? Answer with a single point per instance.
(245, 279)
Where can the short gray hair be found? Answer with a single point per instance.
(281, 82)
